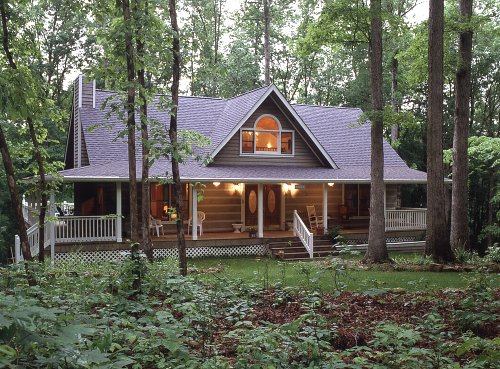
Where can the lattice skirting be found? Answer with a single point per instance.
(192, 252)
(361, 241)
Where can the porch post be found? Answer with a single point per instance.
(52, 227)
(325, 208)
(385, 206)
(194, 214)
(119, 212)
(260, 210)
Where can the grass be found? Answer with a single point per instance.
(267, 272)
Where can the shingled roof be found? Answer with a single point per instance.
(336, 131)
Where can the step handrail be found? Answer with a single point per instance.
(302, 232)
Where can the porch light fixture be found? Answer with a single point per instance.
(287, 188)
(216, 184)
(331, 184)
(237, 187)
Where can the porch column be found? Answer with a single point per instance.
(385, 206)
(119, 212)
(52, 228)
(325, 208)
(194, 214)
(260, 210)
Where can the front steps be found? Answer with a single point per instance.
(295, 250)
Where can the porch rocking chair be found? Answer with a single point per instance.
(200, 218)
(315, 221)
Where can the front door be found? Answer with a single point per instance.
(272, 206)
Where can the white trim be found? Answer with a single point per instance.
(273, 88)
(243, 207)
(119, 212)
(246, 179)
(283, 208)
(260, 210)
(325, 208)
(194, 213)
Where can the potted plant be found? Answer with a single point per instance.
(252, 232)
(172, 212)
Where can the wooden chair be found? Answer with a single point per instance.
(200, 218)
(315, 221)
(344, 214)
(155, 224)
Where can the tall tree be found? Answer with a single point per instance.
(130, 108)
(176, 75)
(437, 237)
(141, 15)
(377, 248)
(459, 201)
(7, 160)
(267, 46)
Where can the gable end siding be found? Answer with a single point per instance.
(303, 156)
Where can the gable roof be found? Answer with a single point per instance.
(247, 105)
(335, 132)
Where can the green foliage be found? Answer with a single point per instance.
(85, 315)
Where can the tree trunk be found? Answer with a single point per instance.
(267, 51)
(130, 107)
(7, 160)
(377, 248)
(394, 97)
(147, 245)
(42, 188)
(459, 201)
(437, 237)
(176, 74)
(492, 181)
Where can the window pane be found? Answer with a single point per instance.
(266, 141)
(247, 141)
(364, 200)
(286, 142)
(351, 198)
(268, 123)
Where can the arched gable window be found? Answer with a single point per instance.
(267, 137)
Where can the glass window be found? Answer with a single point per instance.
(266, 137)
(357, 199)
(286, 142)
(247, 141)
(267, 123)
(266, 141)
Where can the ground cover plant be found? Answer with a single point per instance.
(142, 315)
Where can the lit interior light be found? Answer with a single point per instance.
(216, 184)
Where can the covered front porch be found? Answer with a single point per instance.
(231, 210)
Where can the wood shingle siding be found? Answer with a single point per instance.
(303, 156)
(222, 207)
(76, 122)
(312, 194)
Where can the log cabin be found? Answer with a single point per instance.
(270, 161)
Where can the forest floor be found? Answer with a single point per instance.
(247, 313)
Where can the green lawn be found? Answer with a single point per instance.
(264, 271)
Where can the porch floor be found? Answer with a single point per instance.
(231, 235)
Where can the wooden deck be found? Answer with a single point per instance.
(223, 236)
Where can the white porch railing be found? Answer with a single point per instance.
(70, 229)
(405, 219)
(300, 230)
(85, 229)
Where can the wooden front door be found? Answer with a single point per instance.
(272, 206)
(251, 205)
